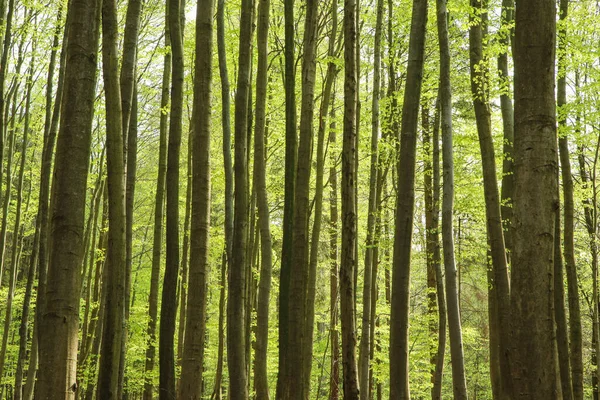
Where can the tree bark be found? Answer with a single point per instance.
(534, 365)
(236, 302)
(499, 292)
(112, 334)
(334, 380)
(575, 335)
(349, 213)
(159, 205)
(399, 387)
(261, 385)
(459, 384)
(370, 260)
(193, 353)
(60, 318)
(288, 207)
(168, 310)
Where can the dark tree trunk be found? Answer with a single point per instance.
(349, 213)
(168, 310)
(159, 205)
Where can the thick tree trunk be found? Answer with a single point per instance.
(349, 213)
(193, 353)
(399, 387)
(536, 172)
(60, 318)
(299, 271)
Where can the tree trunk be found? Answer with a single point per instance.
(562, 339)
(300, 258)
(349, 212)
(506, 106)
(365, 339)
(228, 166)
(288, 207)
(60, 318)
(112, 334)
(399, 387)
(334, 380)
(534, 365)
(168, 310)
(499, 292)
(575, 335)
(15, 253)
(236, 332)
(159, 204)
(459, 384)
(193, 353)
(261, 385)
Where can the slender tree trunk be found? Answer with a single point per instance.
(575, 335)
(193, 353)
(365, 339)
(128, 90)
(6, 47)
(236, 337)
(288, 207)
(261, 385)
(60, 318)
(334, 380)
(507, 193)
(349, 212)
(112, 334)
(15, 253)
(499, 284)
(459, 384)
(439, 279)
(562, 339)
(534, 365)
(228, 166)
(399, 387)
(159, 204)
(184, 273)
(168, 310)
(12, 268)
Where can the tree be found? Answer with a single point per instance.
(459, 384)
(261, 383)
(534, 368)
(193, 353)
(399, 387)
(348, 251)
(60, 317)
(236, 301)
(168, 310)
